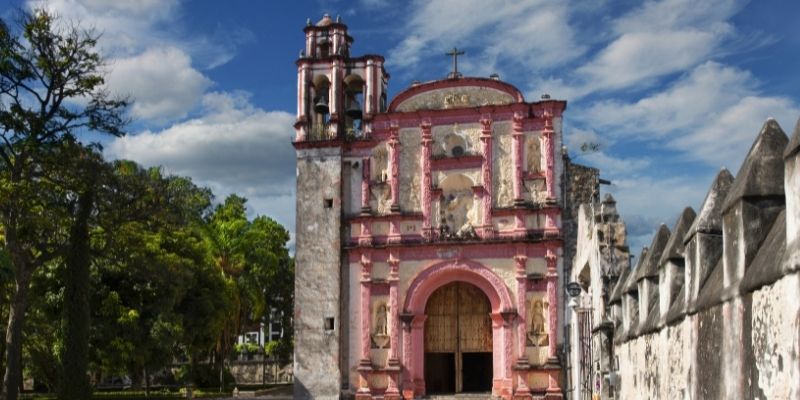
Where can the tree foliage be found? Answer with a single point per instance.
(137, 266)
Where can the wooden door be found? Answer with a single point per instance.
(458, 321)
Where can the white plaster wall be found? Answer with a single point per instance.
(410, 170)
(776, 338)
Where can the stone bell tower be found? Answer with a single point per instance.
(337, 98)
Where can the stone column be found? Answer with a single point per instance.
(335, 89)
(516, 152)
(523, 391)
(394, 161)
(552, 298)
(392, 391)
(408, 378)
(364, 364)
(549, 155)
(365, 172)
(369, 96)
(425, 162)
(486, 171)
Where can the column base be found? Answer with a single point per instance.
(363, 395)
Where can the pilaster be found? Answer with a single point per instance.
(392, 391)
(551, 258)
(425, 162)
(522, 391)
(365, 175)
(365, 364)
(394, 173)
(549, 155)
(516, 153)
(487, 230)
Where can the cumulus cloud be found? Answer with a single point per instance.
(161, 82)
(712, 114)
(535, 33)
(233, 147)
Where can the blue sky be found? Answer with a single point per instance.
(672, 90)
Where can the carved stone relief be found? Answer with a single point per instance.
(533, 154)
(536, 190)
(503, 171)
(465, 96)
(457, 211)
(381, 198)
(410, 190)
(379, 164)
(455, 140)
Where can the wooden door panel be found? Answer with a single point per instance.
(441, 328)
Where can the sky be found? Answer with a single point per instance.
(671, 90)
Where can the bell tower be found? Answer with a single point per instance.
(337, 98)
(337, 94)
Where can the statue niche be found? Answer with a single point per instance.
(457, 208)
(380, 332)
(533, 155)
(537, 331)
(379, 163)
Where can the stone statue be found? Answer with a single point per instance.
(533, 155)
(381, 327)
(537, 334)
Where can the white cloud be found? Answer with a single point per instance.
(233, 148)
(636, 57)
(712, 114)
(161, 82)
(534, 33)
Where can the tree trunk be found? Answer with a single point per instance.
(146, 383)
(16, 320)
(76, 314)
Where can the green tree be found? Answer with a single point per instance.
(253, 258)
(155, 286)
(51, 83)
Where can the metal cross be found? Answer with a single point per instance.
(455, 53)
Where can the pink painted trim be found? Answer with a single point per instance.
(450, 251)
(425, 163)
(438, 274)
(552, 299)
(486, 173)
(394, 167)
(365, 170)
(442, 84)
(448, 163)
(516, 152)
(549, 153)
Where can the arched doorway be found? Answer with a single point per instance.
(458, 340)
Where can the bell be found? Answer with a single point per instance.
(354, 110)
(323, 41)
(322, 105)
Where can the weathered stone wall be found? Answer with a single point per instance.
(726, 320)
(317, 274)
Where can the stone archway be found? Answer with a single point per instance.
(502, 314)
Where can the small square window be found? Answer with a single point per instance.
(328, 203)
(329, 323)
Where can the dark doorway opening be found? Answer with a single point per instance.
(440, 373)
(477, 372)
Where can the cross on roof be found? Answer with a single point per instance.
(455, 53)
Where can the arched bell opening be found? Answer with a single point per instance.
(354, 101)
(320, 105)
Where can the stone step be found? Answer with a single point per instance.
(461, 396)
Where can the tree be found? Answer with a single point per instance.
(253, 258)
(51, 90)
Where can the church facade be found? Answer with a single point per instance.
(429, 232)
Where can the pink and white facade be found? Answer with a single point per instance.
(453, 181)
